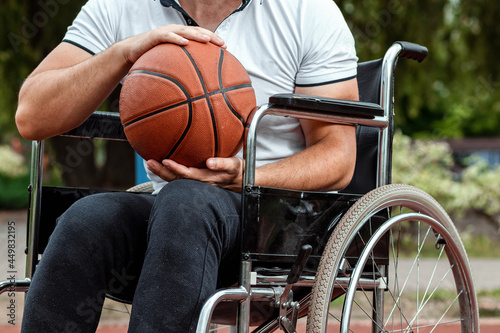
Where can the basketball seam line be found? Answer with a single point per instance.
(177, 83)
(207, 97)
(188, 125)
(188, 98)
(190, 108)
(221, 86)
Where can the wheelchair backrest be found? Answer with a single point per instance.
(365, 173)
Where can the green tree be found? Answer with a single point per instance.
(29, 30)
(454, 93)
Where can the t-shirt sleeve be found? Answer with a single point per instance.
(95, 27)
(329, 52)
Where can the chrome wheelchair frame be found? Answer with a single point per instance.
(335, 271)
(357, 113)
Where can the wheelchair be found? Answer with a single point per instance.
(375, 256)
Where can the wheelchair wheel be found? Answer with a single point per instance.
(411, 273)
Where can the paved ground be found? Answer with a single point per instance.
(486, 273)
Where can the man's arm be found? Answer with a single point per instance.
(69, 84)
(327, 163)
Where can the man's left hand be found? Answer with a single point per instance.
(222, 172)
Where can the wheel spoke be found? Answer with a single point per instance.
(337, 319)
(396, 269)
(430, 296)
(406, 280)
(449, 307)
(433, 272)
(418, 267)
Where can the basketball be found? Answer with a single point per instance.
(186, 103)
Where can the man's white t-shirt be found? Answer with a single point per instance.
(281, 43)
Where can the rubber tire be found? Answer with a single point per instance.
(366, 206)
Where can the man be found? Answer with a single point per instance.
(172, 249)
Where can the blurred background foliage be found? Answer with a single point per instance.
(30, 30)
(430, 166)
(454, 93)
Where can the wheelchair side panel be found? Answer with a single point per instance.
(56, 200)
(278, 222)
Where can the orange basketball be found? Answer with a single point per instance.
(186, 103)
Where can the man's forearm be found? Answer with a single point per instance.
(325, 166)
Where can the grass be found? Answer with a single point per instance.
(480, 246)
(489, 303)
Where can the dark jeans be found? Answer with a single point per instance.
(169, 251)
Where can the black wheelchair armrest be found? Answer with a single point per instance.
(102, 125)
(327, 105)
(413, 51)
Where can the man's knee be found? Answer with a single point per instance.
(187, 207)
(185, 191)
(195, 194)
(181, 203)
(186, 200)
